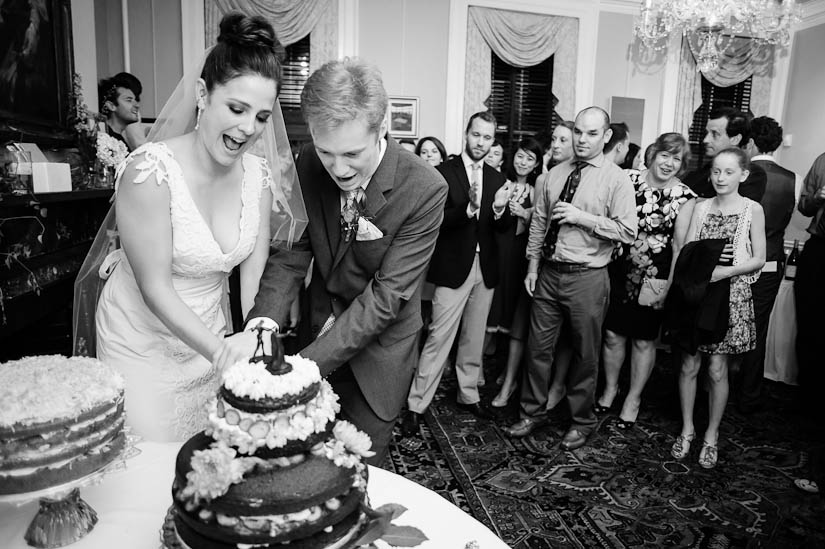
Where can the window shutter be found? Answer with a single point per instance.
(521, 100)
(738, 97)
(295, 72)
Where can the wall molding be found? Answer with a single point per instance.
(587, 12)
(193, 35)
(347, 28)
(629, 7)
(813, 14)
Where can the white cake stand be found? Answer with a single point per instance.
(63, 517)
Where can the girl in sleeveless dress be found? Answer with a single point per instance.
(189, 209)
(742, 221)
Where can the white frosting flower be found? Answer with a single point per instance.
(251, 380)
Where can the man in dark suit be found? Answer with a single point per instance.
(464, 270)
(374, 213)
(778, 203)
(727, 127)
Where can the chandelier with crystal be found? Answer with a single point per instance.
(711, 25)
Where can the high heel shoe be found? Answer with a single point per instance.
(501, 399)
(627, 424)
(708, 455)
(600, 409)
(681, 447)
(624, 425)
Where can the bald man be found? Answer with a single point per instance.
(586, 206)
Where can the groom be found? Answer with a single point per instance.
(374, 213)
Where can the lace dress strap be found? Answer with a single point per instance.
(149, 159)
(266, 173)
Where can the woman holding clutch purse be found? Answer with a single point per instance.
(642, 272)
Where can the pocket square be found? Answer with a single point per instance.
(367, 231)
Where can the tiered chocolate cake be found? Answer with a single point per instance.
(274, 469)
(60, 419)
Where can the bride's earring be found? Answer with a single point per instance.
(198, 118)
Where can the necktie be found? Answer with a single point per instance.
(566, 195)
(350, 212)
(475, 185)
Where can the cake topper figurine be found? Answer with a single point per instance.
(276, 364)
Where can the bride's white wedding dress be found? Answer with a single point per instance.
(168, 383)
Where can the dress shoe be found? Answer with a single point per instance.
(524, 427)
(476, 409)
(573, 439)
(409, 423)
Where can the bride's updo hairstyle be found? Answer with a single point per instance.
(246, 45)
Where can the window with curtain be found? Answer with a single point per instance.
(521, 100)
(737, 96)
(295, 74)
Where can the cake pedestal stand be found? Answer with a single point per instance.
(61, 521)
(63, 517)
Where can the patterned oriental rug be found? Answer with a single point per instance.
(623, 489)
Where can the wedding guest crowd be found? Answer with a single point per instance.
(657, 233)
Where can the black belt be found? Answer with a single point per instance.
(569, 267)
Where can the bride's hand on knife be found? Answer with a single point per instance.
(239, 346)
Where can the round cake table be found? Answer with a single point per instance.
(132, 503)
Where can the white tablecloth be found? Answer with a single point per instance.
(131, 505)
(780, 347)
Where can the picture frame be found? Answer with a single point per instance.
(403, 116)
(38, 68)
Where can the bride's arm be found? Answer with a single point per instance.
(253, 266)
(145, 229)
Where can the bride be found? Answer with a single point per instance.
(190, 206)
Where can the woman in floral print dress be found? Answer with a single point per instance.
(664, 205)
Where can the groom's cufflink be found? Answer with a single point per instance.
(261, 322)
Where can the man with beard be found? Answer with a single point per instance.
(726, 127)
(464, 269)
(586, 206)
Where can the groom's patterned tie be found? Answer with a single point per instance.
(351, 212)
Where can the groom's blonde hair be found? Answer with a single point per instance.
(341, 91)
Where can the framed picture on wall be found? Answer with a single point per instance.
(403, 116)
(36, 68)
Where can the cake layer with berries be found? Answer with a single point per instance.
(282, 414)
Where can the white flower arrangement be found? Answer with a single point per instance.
(347, 447)
(110, 151)
(214, 470)
(354, 440)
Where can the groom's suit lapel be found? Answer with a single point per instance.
(380, 183)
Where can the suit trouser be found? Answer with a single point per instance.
(809, 293)
(470, 301)
(356, 410)
(579, 300)
(764, 293)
